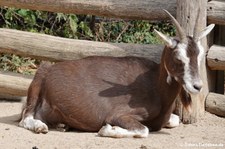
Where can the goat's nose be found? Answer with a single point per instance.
(198, 86)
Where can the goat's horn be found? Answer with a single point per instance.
(196, 28)
(179, 29)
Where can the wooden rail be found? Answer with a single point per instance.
(215, 103)
(129, 9)
(14, 84)
(216, 58)
(216, 12)
(126, 9)
(46, 47)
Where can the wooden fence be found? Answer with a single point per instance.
(40, 46)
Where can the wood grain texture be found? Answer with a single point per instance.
(52, 48)
(186, 15)
(14, 84)
(126, 9)
(129, 9)
(216, 12)
(216, 57)
(215, 103)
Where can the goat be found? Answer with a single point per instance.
(116, 97)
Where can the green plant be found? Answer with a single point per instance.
(131, 31)
(17, 64)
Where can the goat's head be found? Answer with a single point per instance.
(182, 56)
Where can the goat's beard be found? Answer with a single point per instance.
(185, 98)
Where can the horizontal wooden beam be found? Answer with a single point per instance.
(216, 58)
(216, 12)
(128, 9)
(14, 84)
(46, 47)
(215, 103)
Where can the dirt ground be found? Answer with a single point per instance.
(208, 132)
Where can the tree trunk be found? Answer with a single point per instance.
(187, 11)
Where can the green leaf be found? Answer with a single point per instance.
(23, 12)
(60, 16)
(87, 31)
(73, 24)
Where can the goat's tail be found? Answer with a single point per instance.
(34, 90)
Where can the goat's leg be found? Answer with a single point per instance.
(124, 126)
(33, 101)
(28, 121)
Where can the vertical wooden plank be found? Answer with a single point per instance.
(187, 11)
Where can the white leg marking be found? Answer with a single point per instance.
(118, 132)
(173, 121)
(33, 124)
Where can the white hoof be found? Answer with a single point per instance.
(118, 132)
(34, 125)
(174, 121)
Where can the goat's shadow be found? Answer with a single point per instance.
(142, 88)
(10, 120)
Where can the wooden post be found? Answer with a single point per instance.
(187, 11)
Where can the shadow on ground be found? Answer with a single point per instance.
(11, 120)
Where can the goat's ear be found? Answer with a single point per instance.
(186, 99)
(169, 41)
(206, 31)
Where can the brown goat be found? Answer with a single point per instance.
(118, 97)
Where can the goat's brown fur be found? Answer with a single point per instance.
(88, 93)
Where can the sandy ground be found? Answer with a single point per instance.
(209, 132)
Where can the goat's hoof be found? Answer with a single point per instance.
(40, 127)
(173, 121)
(118, 132)
(102, 132)
(33, 124)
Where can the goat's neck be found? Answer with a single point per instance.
(168, 91)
